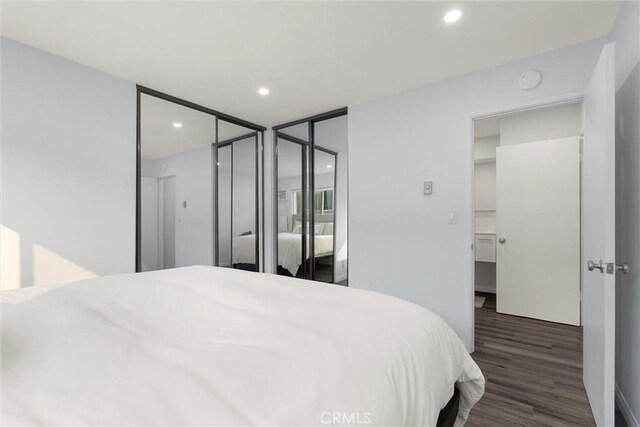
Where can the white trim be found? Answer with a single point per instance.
(631, 420)
(554, 101)
(471, 346)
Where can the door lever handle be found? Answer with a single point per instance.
(592, 266)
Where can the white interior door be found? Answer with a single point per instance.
(538, 229)
(598, 207)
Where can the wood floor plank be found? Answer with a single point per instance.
(533, 371)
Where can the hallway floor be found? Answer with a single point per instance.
(533, 370)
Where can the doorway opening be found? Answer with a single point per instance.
(527, 266)
(527, 212)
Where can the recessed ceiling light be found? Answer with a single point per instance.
(177, 125)
(263, 91)
(452, 16)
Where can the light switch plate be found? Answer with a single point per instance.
(453, 217)
(428, 188)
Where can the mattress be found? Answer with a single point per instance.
(215, 346)
(289, 249)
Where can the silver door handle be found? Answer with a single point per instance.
(502, 240)
(592, 266)
(624, 267)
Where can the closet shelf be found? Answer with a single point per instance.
(485, 160)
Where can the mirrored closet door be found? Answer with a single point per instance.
(311, 202)
(199, 186)
(238, 197)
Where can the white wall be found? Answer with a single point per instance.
(68, 170)
(625, 35)
(405, 247)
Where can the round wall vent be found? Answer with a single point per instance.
(530, 80)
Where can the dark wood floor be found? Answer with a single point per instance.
(533, 371)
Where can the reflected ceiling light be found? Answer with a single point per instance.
(452, 16)
(329, 166)
(177, 125)
(263, 91)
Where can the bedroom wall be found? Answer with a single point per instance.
(68, 170)
(398, 142)
(627, 38)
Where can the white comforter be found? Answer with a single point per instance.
(213, 346)
(289, 249)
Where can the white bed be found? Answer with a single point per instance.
(289, 249)
(215, 346)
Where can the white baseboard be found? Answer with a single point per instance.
(487, 289)
(629, 417)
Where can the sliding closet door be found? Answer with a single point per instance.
(225, 207)
(189, 182)
(238, 197)
(175, 148)
(323, 214)
(312, 199)
(291, 208)
(244, 212)
(330, 138)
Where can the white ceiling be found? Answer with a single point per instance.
(313, 56)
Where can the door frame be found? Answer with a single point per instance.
(216, 116)
(540, 104)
